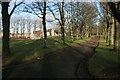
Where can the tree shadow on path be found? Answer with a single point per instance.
(66, 63)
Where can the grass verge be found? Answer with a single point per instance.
(104, 63)
(28, 50)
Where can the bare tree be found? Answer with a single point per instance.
(114, 6)
(38, 9)
(13, 27)
(22, 26)
(29, 25)
(6, 25)
(111, 14)
(60, 9)
(81, 16)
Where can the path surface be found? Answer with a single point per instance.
(65, 63)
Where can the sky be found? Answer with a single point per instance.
(28, 15)
(32, 16)
(24, 14)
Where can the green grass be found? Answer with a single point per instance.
(26, 50)
(104, 63)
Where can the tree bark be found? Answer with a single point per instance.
(6, 31)
(71, 32)
(115, 10)
(115, 32)
(107, 30)
(109, 36)
(62, 26)
(112, 31)
(44, 25)
(6, 26)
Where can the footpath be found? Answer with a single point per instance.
(69, 62)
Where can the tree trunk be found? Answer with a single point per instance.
(109, 36)
(118, 36)
(115, 33)
(112, 32)
(23, 31)
(97, 31)
(6, 26)
(107, 31)
(83, 32)
(77, 33)
(115, 10)
(44, 26)
(72, 32)
(62, 27)
(63, 35)
(80, 34)
(16, 33)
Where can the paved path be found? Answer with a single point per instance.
(65, 63)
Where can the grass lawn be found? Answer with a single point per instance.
(104, 63)
(26, 50)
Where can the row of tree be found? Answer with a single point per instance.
(21, 25)
(110, 23)
(79, 18)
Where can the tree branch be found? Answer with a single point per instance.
(34, 12)
(54, 15)
(15, 6)
(115, 11)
